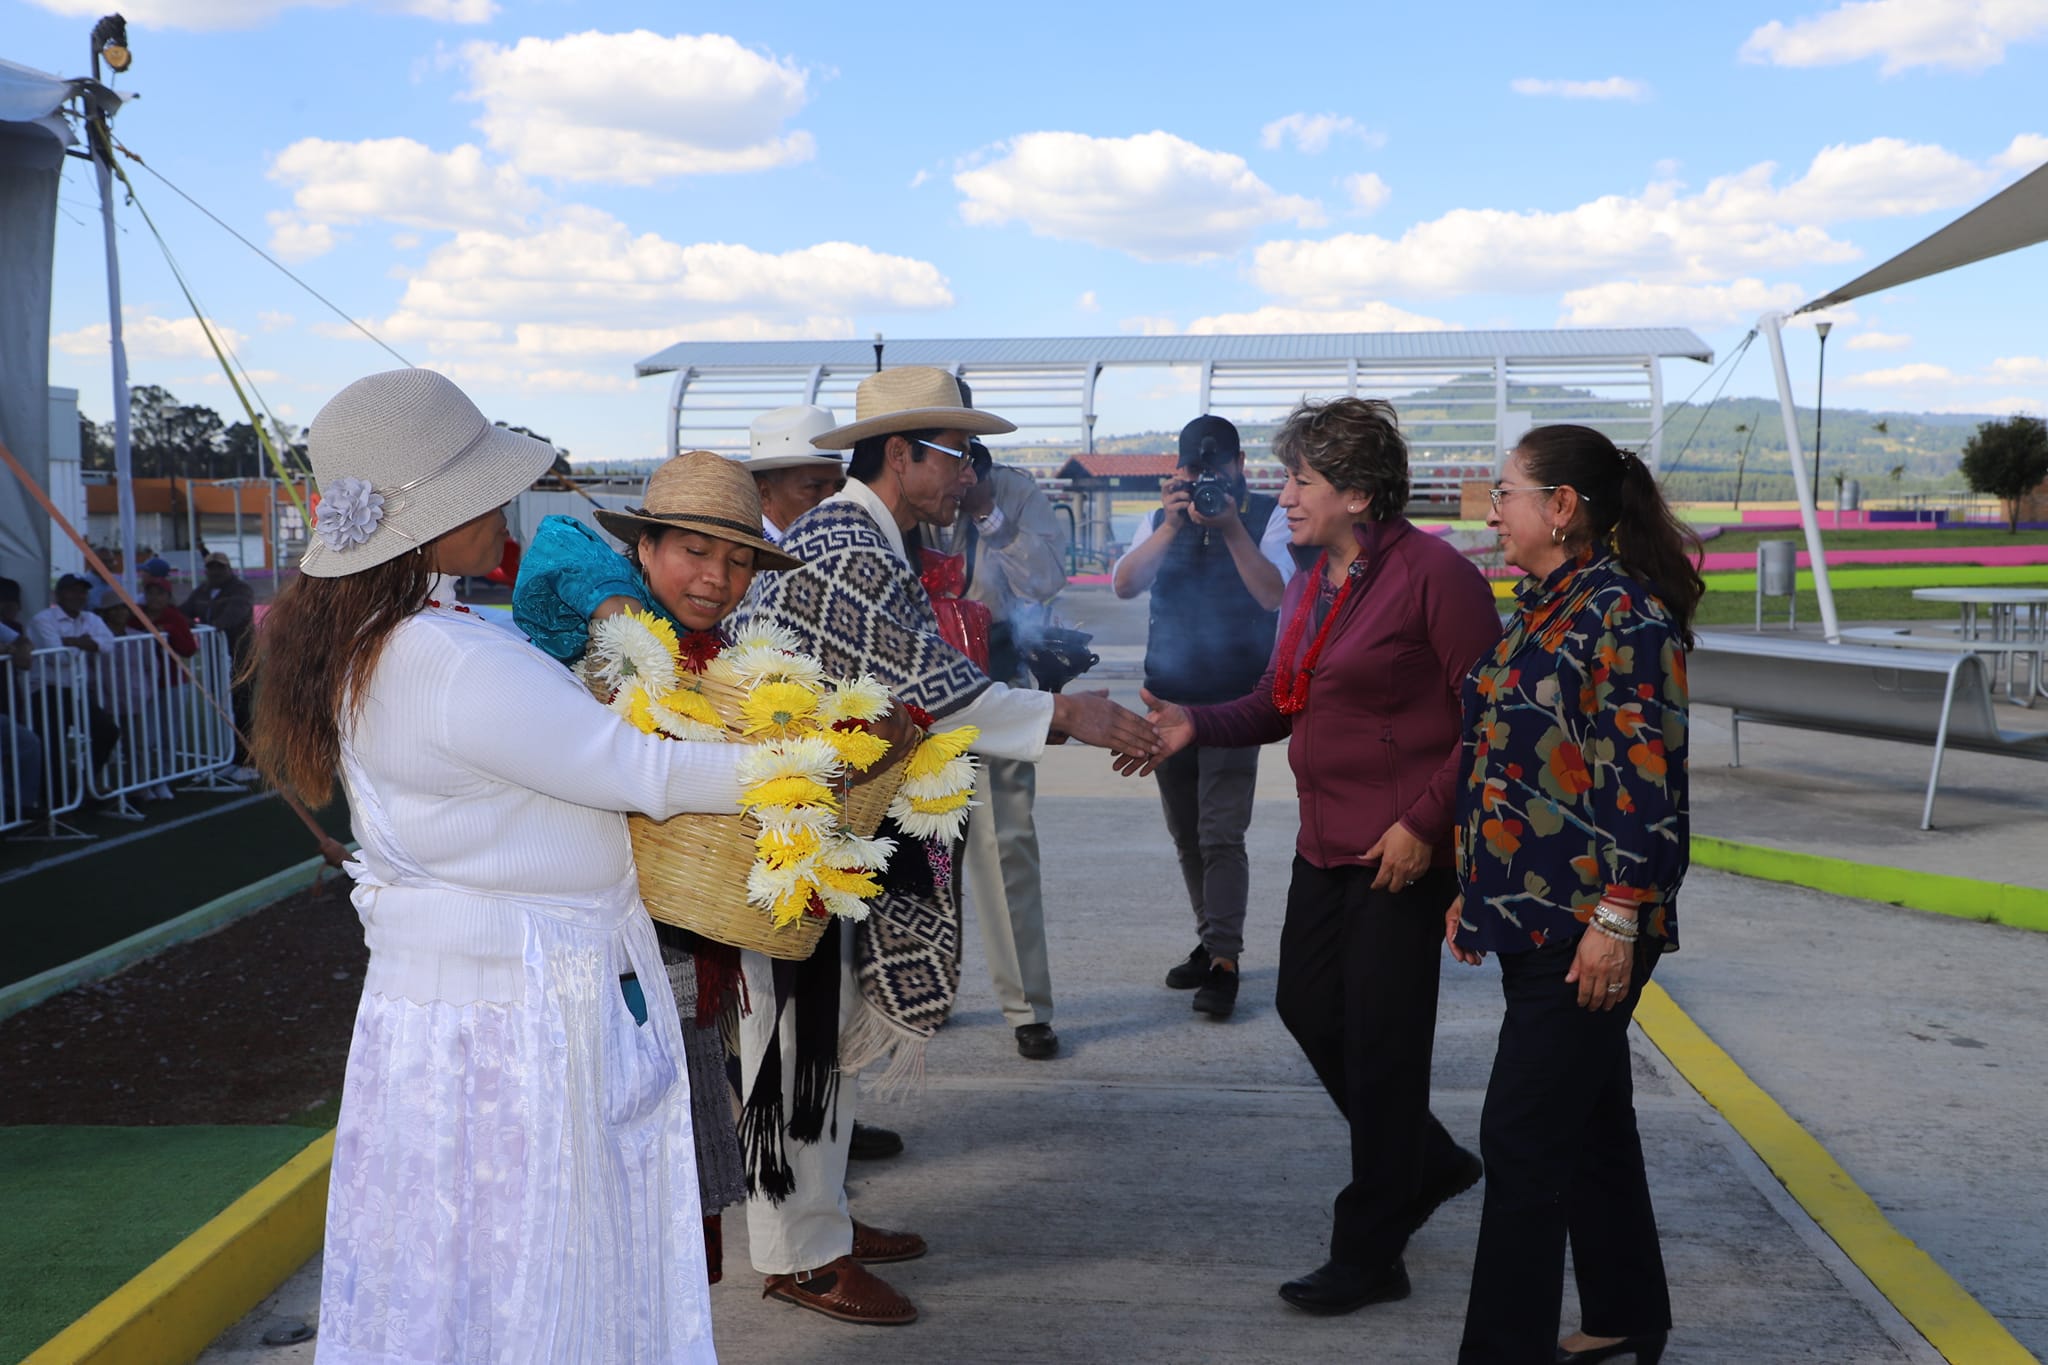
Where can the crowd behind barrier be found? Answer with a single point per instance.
(168, 732)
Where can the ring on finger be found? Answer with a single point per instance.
(1615, 988)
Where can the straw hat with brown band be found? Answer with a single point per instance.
(705, 493)
(910, 398)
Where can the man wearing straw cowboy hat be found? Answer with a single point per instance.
(791, 475)
(858, 605)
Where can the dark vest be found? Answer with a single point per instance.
(1210, 640)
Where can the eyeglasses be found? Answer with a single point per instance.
(1499, 491)
(943, 450)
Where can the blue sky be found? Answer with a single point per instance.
(532, 194)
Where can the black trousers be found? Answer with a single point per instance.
(1358, 985)
(1562, 1159)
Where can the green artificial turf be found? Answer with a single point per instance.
(1731, 540)
(89, 1208)
(1732, 607)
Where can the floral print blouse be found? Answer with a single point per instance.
(1574, 781)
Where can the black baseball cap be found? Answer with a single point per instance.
(1208, 441)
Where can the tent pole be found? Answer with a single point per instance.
(1771, 325)
(124, 482)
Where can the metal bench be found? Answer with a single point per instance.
(1863, 690)
(1997, 651)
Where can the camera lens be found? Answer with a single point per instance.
(1210, 497)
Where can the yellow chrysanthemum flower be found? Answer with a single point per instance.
(780, 707)
(788, 791)
(846, 882)
(692, 705)
(940, 805)
(940, 749)
(863, 698)
(639, 714)
(860, 749)
(780, 848)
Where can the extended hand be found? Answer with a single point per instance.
(1174, 497)
(1401, 857)
(1093, 718)
(1176, 731)
(1471, 957)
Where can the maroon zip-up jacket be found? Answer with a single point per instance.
(1379, 739)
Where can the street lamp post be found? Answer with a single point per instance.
(1820, 404)
(110, 40)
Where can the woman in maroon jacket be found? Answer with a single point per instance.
(1363, 684)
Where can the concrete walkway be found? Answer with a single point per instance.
(1141, 1197)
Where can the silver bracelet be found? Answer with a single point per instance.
(1622, 925)
(1601, 928)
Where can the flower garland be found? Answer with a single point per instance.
(804, 735)
(1290, 684)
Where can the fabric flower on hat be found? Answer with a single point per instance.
(349, 513)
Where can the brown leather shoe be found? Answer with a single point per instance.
(843, 1289)
(878, 1246)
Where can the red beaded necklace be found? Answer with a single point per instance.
(1290, 686)
(451, 606)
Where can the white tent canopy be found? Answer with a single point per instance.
(2015, 217)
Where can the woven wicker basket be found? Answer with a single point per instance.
(869, 802)
(693, 868)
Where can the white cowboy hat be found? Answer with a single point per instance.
(706, 493)
(781, 439)
(910, 398)
(400, 458)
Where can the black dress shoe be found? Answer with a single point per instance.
(1185, 976)
(1336, 1287)
(870, 1143)
(1648, 1349)
(1218, 996)
(1037, 1041)
(1447, 1185)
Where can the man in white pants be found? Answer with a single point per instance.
(1015, 546)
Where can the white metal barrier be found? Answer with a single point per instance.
(170, 732)
(44, 740)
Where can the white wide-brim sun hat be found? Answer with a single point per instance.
(781, 439)
(910, 398)
(400, 458)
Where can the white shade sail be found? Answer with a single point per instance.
(2016, 216)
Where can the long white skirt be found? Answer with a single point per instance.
(514, 1183)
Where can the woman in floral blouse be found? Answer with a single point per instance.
(1572, 842)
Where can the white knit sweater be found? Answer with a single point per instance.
(483, 781)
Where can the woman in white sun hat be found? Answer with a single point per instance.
(513, 1179)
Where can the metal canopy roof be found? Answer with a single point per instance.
(1675, 343)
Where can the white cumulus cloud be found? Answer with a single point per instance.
(637, 108)
(2027, 151)
(1879, 341)
(1903, 376)
(1733, 228)
(221, 14)
(1960, 35)
(1155, 196)
(396, 180)
(1368, 193)
(1612, 88)
(1624, 303)
(1368, 317)
(1313, 133)
(147, 337)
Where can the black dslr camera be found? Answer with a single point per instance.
(1216, 488)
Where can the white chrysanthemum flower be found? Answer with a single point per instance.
(788, 820)
(624, 650)
(684, 727)
(957, 775)
(844, 904)
(805, 757)
(863, 698)
(765, 635)
(943, 825)
(752, 664)
(768, 885)
(854, 853)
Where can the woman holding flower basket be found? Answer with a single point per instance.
(513, 1172)
(693, 550)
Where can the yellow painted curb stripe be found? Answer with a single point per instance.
(1953, 1322)
(2022, 907)
(198, 1289)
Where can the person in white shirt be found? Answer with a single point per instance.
(791, 475)
(513, 1179)
(66, 624)
(1014, 547)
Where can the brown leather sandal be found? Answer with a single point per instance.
(878, 1246)
(843, 1289)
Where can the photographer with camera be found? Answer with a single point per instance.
(1217, 575)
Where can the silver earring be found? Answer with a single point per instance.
(1353, 511)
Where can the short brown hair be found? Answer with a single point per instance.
(1355, 443)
